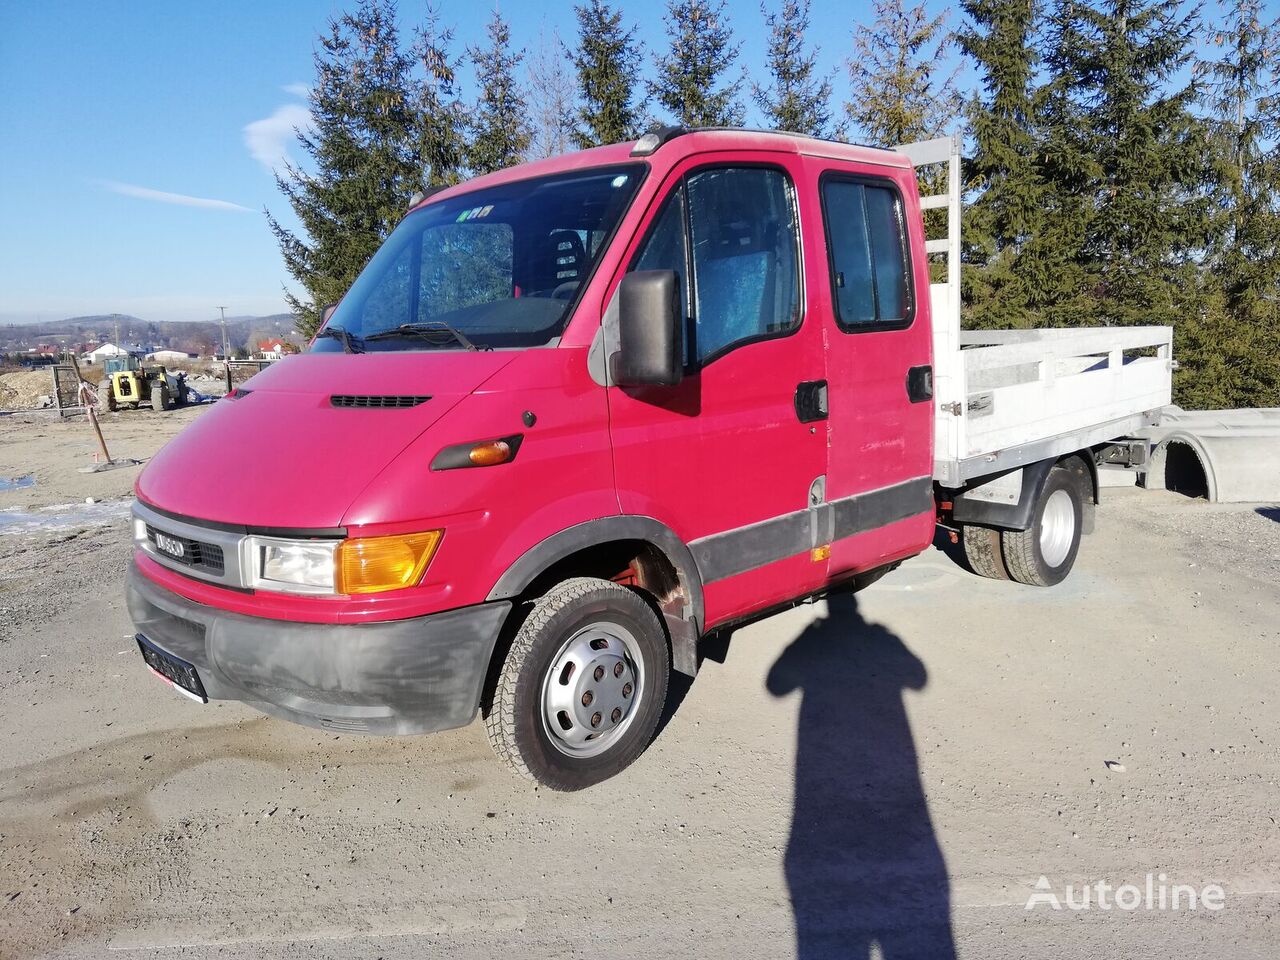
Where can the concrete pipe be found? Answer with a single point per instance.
(1225, 456)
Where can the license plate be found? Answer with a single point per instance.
(179, 674)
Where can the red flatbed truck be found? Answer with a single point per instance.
(577, 414)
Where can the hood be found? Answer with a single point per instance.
(281, 454)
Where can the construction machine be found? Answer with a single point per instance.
(127, 383)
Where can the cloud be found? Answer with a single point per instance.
(297, 89)
(178, 199)
(268, 139)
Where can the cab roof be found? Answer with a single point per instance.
(676, 143)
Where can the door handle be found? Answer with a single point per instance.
(920, 384)
(811, 401)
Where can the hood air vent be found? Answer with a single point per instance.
(381, 403)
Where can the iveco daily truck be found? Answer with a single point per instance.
(577, 414)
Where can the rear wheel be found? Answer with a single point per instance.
(1045, 552)
(582, 688)
(982, 551)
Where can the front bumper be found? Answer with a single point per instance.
(402, 676)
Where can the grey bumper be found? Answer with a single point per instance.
(402, 676)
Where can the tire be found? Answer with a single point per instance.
(570, 664)
(983, 553)
(1045, 552)
(159, 397)
(106, 402)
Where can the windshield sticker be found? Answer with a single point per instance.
(474, 213)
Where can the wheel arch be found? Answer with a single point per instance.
(660, 553)
(1018, 516)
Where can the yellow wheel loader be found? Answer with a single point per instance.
(129, 384)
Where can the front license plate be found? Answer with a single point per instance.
(179, 674)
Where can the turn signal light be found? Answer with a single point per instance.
(375, 564)
(490, 454)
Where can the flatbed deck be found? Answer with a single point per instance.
(1006, 398)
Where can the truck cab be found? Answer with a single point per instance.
(572, 416)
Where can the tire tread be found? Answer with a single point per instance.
(982, 548)
(500, 722)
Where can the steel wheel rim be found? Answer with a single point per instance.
(592, 691)
(1057, 528)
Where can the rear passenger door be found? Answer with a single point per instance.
(722, 458)
(879, 357)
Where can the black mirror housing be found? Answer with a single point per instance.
(649, 322)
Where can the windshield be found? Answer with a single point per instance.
(496, 267)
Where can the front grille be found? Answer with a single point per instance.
(206, 556)
(382, 403)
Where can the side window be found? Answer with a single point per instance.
(868, 255)
(745, 259)
(745, 264)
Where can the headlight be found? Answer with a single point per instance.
(358, 565)
(293, 566)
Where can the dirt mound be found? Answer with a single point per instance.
(23, 390)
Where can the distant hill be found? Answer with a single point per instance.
(193, 336)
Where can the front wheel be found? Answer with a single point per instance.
(159, 397)
(106, 402)
(582, 688)
(1045, 552)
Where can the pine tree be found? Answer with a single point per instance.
(690, 83)
(1148, 219)
(799, 98)
(1001, 172)
(363, 155)
(1244, 256)
(608, 67)
(441, 119)
(897, 95)
(551, 99)
(1052, 265)
(501, 128)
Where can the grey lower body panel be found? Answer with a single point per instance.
(402, 676)
(728, 554)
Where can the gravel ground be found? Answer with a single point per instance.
(900, 770)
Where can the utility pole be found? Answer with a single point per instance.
(226, 350)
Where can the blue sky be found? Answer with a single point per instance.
(138, 140)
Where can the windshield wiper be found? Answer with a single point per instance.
(349, 343)
(427, 331)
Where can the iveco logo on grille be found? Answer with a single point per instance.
(169, 545)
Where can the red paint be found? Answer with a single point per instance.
(722, 450)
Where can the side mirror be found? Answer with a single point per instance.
(649, 322)
(326, 312)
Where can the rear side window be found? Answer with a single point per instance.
(867, 246)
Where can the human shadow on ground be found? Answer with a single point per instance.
(862, 864)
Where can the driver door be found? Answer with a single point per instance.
(724, 458)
